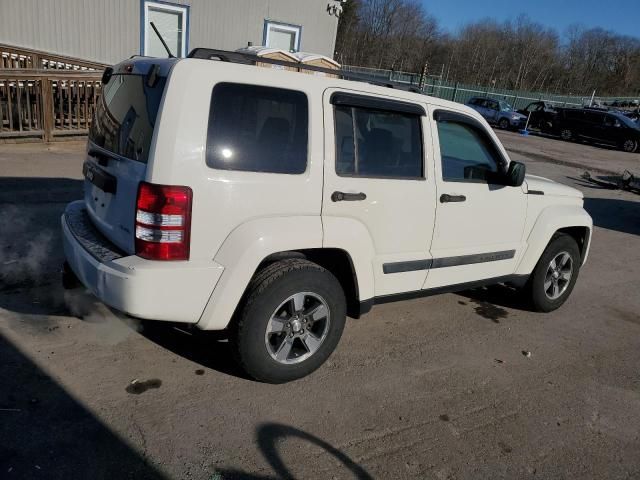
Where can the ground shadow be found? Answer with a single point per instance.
(490, 302)
(31, 253)
(46, 433)
(270, 435)
(614, 214)
(209, 349)
(39, 190)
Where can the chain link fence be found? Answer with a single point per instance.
(434, 85)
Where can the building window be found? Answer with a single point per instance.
(172, 21)
(282, 35)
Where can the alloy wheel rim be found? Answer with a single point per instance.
(297, 328)
(566, 134)
(629, 146)
(558, 276)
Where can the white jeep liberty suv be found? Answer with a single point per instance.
(271, 204)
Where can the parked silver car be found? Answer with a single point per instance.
(498, 112)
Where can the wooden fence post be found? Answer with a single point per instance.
(47, 108)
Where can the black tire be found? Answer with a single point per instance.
(266, 293)
(567, 135)
(629, 145)
(535, 288)
(504, 124)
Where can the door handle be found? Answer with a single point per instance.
(445, 198)
(348, 197)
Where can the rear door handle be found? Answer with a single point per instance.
(446, 198)
(348, 197)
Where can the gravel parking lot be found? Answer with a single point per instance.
(458, 386)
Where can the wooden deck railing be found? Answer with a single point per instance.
(46, 96)
(47, 104)
(19, 57)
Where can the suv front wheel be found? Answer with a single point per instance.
(555, 275)
(629, 145)
(290, 321)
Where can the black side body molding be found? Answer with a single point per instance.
(515, 280)
(535, 192)
(411, 266)
(414, 265)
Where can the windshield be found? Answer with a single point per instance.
(126, 116)
(626, 121)
(505, 107)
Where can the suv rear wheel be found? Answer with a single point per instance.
(290, 322)
(566, 134)
(556, 273)
(629, 145)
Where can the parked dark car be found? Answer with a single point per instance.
(543, 115)
(498, 112)
(598, 126)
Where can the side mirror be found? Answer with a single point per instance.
(515, 174)
(106, 75)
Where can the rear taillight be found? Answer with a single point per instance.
(163, 222)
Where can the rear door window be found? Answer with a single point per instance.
(387, 144)
(574, 115)
(596, 118)
(257, 129)
(126, 116)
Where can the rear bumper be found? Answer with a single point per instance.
(171, 291)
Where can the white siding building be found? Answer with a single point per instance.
(109, 31)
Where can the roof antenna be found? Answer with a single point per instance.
(164, 44)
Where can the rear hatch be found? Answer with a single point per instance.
(119, 145)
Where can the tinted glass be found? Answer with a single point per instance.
(387, 144)
(126, 116)
(505, 107)
(594, 117)
(257, 129)
(467, 154)
(627, 121)
(611, 121)
(574, 114)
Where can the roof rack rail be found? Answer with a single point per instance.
(249, 59)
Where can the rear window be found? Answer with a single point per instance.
(126, 116)
(257, 129)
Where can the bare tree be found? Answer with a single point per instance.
(519, 54)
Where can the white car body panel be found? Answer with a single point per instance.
(243, 251)
(388, 212)
(239, 218)
(491, 219)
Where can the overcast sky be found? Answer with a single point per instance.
(622, 16)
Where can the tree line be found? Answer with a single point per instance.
(520, 54)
